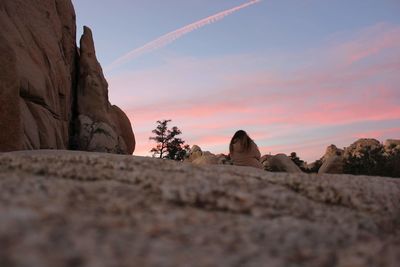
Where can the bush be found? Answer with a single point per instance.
(169, 146)
(373, 162)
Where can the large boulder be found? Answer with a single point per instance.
(40, 69)
(38, 73)
(279, 163)
(199, 157)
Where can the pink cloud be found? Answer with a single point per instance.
(215, 98)
(370, 42)
(379, 134)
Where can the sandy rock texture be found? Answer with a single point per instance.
(90, 209)
(46, 81)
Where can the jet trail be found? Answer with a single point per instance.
(173, 36)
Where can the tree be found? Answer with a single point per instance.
(369, 161)
(300, 163)
(169, 146)
(374, 161)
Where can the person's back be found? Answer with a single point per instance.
(243, 151)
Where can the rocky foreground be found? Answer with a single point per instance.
(86, 209)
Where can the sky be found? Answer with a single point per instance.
(297, 75)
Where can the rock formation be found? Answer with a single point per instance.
(100, 126)
(46, 85)
(62, 208)
(38, 68)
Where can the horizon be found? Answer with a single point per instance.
(328, 73)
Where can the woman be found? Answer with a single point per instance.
(243, 151)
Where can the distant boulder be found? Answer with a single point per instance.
(332, 151)
(332, 161)
(198, 157)
(279, 163)
(333, 164)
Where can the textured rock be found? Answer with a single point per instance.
(39, 79)
(38, 63)
(99, 137)
(89, 209)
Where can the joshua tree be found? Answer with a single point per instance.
(169, 146)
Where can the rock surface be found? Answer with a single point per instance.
(40, 70)
(91, 209)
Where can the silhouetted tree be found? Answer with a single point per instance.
(392, 165)
(169, 146)
(374, 161)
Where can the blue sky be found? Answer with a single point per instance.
(267, 68)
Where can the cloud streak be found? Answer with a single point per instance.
(173, 36)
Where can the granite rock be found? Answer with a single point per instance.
(91, 209)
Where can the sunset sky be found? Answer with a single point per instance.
(297, 75)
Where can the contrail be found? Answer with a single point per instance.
(173, 36)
